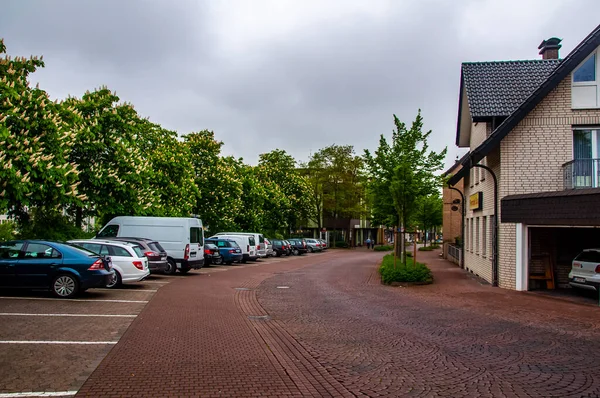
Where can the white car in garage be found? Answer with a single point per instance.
(128, 260)
(585, 270)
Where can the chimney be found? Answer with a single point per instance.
(549, 48)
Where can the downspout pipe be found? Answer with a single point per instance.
(495, 226)
(462, 229)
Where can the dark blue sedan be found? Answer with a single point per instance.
(229, 249)
(61, 268)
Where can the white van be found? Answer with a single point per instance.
(245, 242)
(261, 247)
(182, 238)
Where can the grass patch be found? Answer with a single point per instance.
(429, 248)
(409, 272)
(384, 248)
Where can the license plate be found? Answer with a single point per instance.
(580, 280)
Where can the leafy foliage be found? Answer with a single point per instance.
(403, 171)
(383, 248)
(7, 230)
(404, 272)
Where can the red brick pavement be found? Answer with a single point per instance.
(337, 332)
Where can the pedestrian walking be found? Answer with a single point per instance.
(368, 243)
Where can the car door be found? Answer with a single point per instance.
(38, 265)
(9, 258)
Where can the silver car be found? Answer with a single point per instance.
(585, 270)
(269, 247)
(314, 245)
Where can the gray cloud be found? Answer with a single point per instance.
(292, 77)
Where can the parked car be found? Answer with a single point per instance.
(585, 270)
(212, 254)
(154, 252)
(128, 260)
(229, 249)
(259, 241)
(182, 238)
(63, 269)
(324, 244)
(246, 244)
(280, 248)
(288, 247)
(298, 246)
(269, 247)
(313, 245)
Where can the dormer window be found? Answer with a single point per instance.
(587, 71)
(585, 90)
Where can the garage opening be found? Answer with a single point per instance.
(551, 254)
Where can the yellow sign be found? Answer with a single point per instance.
(476, 201)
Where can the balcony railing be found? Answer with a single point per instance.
(581, 173)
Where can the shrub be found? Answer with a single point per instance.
(341, 244)
(429, 248)
(409, 272)
(49, 224)
(7, 231)
(384, 248)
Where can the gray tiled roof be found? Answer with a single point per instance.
(498, 88)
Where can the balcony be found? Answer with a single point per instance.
(581, 173)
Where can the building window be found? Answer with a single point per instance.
(484, 236)
(466, 235)
(584, 170)
(493, 234)
(471, 235)
(585, 89)
(471, 177)
(477, 235)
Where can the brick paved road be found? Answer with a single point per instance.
(322, 325)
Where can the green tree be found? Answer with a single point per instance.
(220, 187)
(429, 214)
(287, 192)
(114, 174)
(35, 170)
(335, 178)
(172, 171)
(402, 171)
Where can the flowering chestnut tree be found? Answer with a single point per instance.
(35, 168)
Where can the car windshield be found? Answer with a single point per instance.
(234, 244)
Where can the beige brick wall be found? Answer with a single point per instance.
(479, 180)
(532, 155)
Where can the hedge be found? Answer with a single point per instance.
(429, 248)
(409, 272)
(384, 248)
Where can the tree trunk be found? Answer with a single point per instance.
(78, 217)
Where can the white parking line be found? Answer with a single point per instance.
(38, 394)
(57, 342)
(126, 290)
(82, 300)
(74, 315)
(164, 283)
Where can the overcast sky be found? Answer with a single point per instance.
(297, 75)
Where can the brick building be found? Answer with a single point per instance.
(533, 130)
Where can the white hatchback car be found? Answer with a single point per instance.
(128, 260)
(585, 270)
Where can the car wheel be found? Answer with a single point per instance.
(310, 250)
(115, 281)
(172, 268)
(218, 261)
(296, 252)
(65, 286)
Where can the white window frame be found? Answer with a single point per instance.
(477, 240)
(484, 239)
(595, 83)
